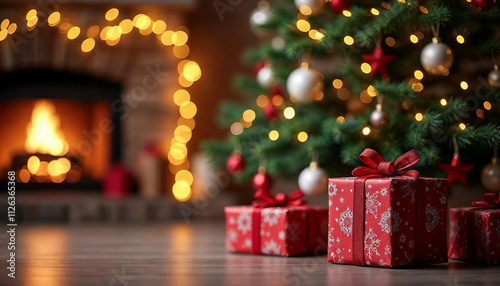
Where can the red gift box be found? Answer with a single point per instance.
(386, 216)
(283, 227)
(475, 231)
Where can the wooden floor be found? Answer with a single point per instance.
(193, 254)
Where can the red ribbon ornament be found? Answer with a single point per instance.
(491, 201)
(376, 166)
(266, 200)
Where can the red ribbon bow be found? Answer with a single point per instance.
(377, 166)
(266, 200)
(491, 200)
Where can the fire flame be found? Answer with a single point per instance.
(44, 134)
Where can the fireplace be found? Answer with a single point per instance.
(60, 130)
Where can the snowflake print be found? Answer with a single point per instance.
(372, 204)
(330, 203)
(293, 231)
(408, 259)
(271, 216)
(402, 238)
(271, 247)
(331, 239)
(332, 190)
(232, 220)
(431, 218)
(339, 259)
(345, 222)
(244, 222)
(247, 244)
(455, 229)
(383, 191)
(443, 199)
(485, 231)
(387, 250)
(341, 200)
(409, 191)
(281, 235)
(232, 235)
(371, 243)
(390, 221)
(411, 244)
(382, 263)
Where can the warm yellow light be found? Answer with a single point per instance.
(487, 105)
(348, 40)
(182, 134)
(464, 85)
(303, 25)
(111, 14)
(413, 38)
(142, 21)
(460, 39)
(424, 10)
(419, 116)
(274, 135)
(305, 10)
(5, 23)
(33, 164)
(302, 136)
(88, 45)
(54, 19)
(236, 128)
(246, 124)
(343, 93)
(184, 82)
(319, 96)
(114, 33)
(24, 175)
(179, 38)
(181, 96)
(443, 102)
(73, 33)
(32, 22)
(347, 13)
(3, 34)
(371, 91)
(166, 38)
(262, 100)
(337, 83)
(93, 31)
(366, 68)
(390, 41)
(31, 15)
(159, 27)
(418, 74)
(480, 113)
(418, 87)
(289, 112)
(181, 52)
(248, 115)
(191, 71)
(375, 11)
(184, 175)
(188, 109)
(127, 25)
(366, 131)
(340, 119)
(277, 100)
(104, 33)
(189, 122)
(365, 97)
(462, 126)
(316, 35)
(181, 191)
(178, 151)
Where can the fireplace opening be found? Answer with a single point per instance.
(60, 129)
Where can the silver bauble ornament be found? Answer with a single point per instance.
(278, 43)
(490, 176)
(315, 5)
(380, 117)
(494, 78)
(436, 57)
(313, 180)
(265, 76)
(260, 16)
(304, 83)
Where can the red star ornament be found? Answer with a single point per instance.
(456, 170)
(378, 61)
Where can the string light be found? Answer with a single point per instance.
(480, 113)
(88, 45)
(236, 128)
(366, 68)
(305, 10)
(390, 41)
(274, 135)
(464, 85)
(419, 116)
(366, 131)
(337, 83)
(249, 115)
(443, 102)
(302, 136)
(303, 26)
(462, 126)
(73, 33)
(111, 14)
(413, 38)
(348, 40)
(289, 112)
(371, 91)
(487, 105)
(375, 12)
(340, 119)
(262, 100)
(460, 39)
(54, 19)
(347, 13)
(418, 74)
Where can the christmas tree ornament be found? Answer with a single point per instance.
(314, 5)
(265, 76)
(490, 175)
(235, 164)
(436, 57)
(304, 84)
(260, 16)
(456, 170)
(483, 5)
(380, 117)
(494, 77)
(278, 43)
(262, 181)
(338, 6)
(259, 66)
(378, 61)
(270, 111)
(313, 180)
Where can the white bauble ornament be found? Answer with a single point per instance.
(278, 43)
(313, 180)
(265, 76)
(436, 57)
(304, 84)
(315, 5)
(260, 16)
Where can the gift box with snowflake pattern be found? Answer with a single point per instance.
(286, 231)
(475, 235)
(404, 221)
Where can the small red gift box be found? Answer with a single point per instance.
(278, 225)
(386, 216)
(475, 231)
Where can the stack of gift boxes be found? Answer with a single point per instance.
(384, 216)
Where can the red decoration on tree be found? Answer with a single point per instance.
(276, 90)
(259, 66)
(340, 5)
(262, 181)
(270, 111)
(483, 5)
(456, 170)
(235, 164)
(378, 61)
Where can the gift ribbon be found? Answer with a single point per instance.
(491, 201)
(376, 166)
(266, 200)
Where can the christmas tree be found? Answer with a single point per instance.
(333, 78)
